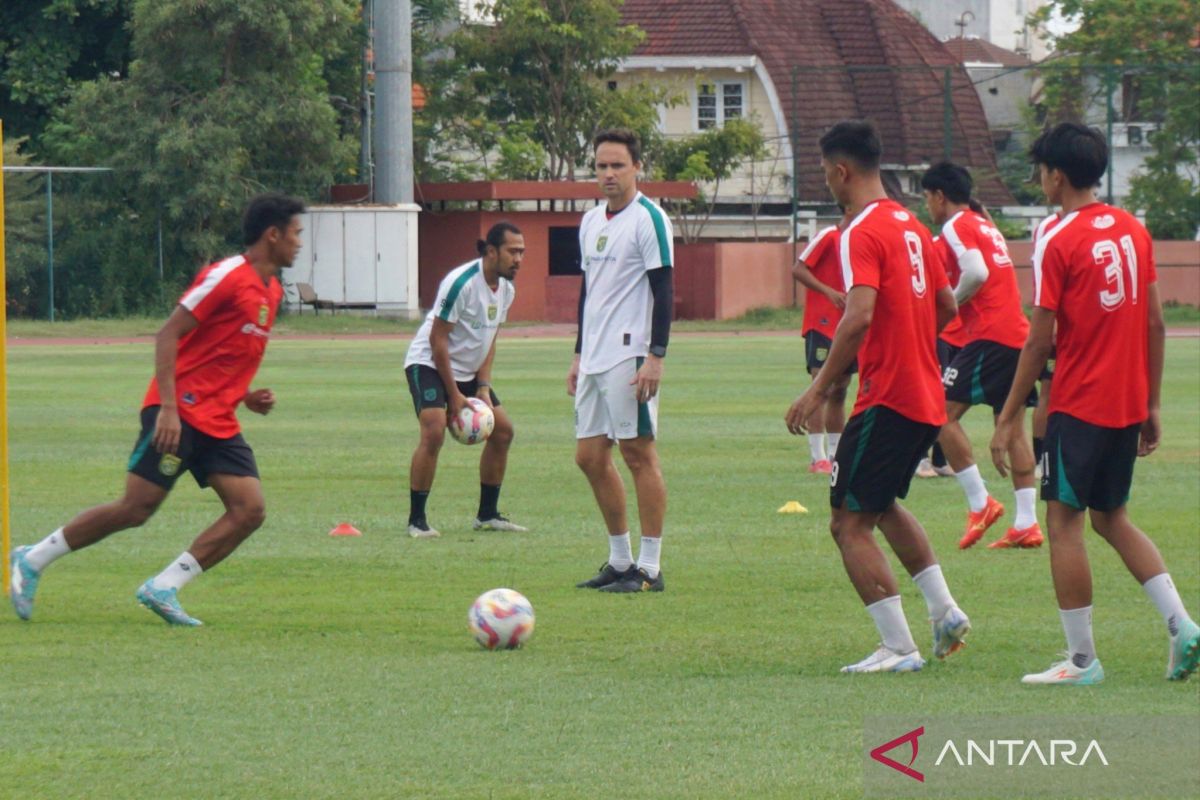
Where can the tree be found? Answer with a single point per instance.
(544, 62)
(195, 130)
(708, 157)
(1148, 47)
(24, 230)
(48, 46)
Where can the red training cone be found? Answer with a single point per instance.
(345, 529)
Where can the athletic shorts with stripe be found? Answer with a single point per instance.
(1088, 466)
(876, 458)
(198, 453)
(982, 373)
(816, 350)
(606, 404)
(428, 391)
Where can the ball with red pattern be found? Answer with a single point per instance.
(501, 619)
(474, 423)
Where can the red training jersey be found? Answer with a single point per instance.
(821, 258)
(994, 312)
(218, 358)
(1093, 269)
(886, 248)
(955, 333)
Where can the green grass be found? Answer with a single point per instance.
(342, 668)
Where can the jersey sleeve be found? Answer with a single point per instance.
(937, 264)
(583, 227)
(818, 248)
(959, 237)
(449, 301)
(209, 293)
(1049, 276)
(860, 258)
(655, 240)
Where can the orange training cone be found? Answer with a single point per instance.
(345, 529)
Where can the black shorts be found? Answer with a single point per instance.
(198, 453)
(1088, 466)
(876, 458)
(982, 374)
(946, 353)
(428, 391)
(816, 350)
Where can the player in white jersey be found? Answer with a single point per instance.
(450, 358)
(625, 307)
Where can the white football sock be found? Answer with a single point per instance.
(648, 553)
(1162, 592)
(620, 555)
(178, 573)
(48, 550)
(892, 626)
(834, 438)
(816, 446)
(1026, 503)
(933, 586)
(1077, 624)
(972, 485)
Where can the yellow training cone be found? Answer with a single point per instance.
(792, 507)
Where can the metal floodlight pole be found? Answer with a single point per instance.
(50, 238)
(393, 102)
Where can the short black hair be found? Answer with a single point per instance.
(620, 136)
(855, 139)
(268, 211)
(495, 236)
(951, 180)
(1080, 152)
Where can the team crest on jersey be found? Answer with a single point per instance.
(603, 240)
(1104, 221)
(169, 464)
(901, 215)
(264, 313)
(492, 313)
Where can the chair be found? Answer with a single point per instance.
(308, 297)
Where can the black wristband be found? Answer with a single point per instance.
(658, 351)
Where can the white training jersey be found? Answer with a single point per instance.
(617, 253)
(465, 300)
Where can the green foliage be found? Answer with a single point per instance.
(192, 133)
(707, 157)
(24, 230)
(1148, 47)
(542, 63)
(49, 46)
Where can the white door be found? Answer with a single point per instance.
(327, 257)
(359, 247)
(391, 257)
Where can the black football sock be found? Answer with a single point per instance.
(489, 499)
(1037, 449)
(416, 507)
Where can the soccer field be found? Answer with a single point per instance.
(342, 668)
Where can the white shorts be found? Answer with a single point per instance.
(606, 405)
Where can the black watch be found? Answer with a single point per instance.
(658, 351)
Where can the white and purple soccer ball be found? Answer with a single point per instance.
(474, 423)
(501, 619)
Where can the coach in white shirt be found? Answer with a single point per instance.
(625, 307)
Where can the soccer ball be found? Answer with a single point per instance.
(501, 619)
(474, 423)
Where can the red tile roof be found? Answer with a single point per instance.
(974, 49)
(897, 79)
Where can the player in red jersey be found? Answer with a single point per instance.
(205, 357)
(994, 327)
(1094, 278)
(949, 342)
(819, 270)
(897, 300)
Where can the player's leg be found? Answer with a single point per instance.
(835, 415)
(138, 503)
(983, 509)
(816, 349)
(1110, 518)
(429, 402)
(1025, 531)
(936, 465)
(492, 465)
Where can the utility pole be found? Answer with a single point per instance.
(393, 102)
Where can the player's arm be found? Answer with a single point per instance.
(802, 273)
(973, 274)
(439, 343)
(1155, 354)
(649, 375)
(483, 377)
(860, 310)
(166, 348)
(573, 372)
(1034, 356)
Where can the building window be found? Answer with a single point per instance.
(564, 251)
(719, 101)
